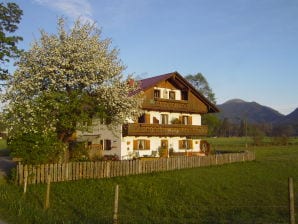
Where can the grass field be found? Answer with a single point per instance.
(251, 192)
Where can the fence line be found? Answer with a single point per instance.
(105, 169)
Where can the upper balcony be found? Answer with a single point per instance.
(159, 104)
(163, 130)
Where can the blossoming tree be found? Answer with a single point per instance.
(63, 81)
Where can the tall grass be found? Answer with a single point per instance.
(251, 192)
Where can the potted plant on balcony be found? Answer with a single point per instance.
(175, 121)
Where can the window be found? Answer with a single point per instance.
(105, 120)
(141, 119)
(145, 118)
(164, 119)
(172, 95)
(106, 144)
(184, 95)
(141, 144)
(156, 93)
(185, 144)
(187, 120)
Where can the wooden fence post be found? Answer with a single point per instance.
(291, 201)
(115, 216)
(25, 178)
(47, 198)
(108, 169)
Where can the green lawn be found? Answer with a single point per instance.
(251, 192)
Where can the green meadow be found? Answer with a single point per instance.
(250, 192)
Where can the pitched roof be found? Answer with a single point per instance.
(149, 82)
(145, 84)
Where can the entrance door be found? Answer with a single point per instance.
(164, 148)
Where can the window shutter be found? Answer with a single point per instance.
(180, 144)
(147, 144)
(101, 144)
(190, 120)
(155, 120)
(135, 144)
(190, 144)
(147, 118)
(181, 119)
(108, 144)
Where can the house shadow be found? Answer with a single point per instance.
(6, 164)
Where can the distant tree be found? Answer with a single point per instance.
(281, 134)
(10, 17)
(225, 128)
(283, 130)
(202, 85)
(213, 123)
(257, 135)
(241, 131)
(64, 81)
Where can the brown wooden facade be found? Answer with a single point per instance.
(186, 106)
(188, 101)
(164, 130)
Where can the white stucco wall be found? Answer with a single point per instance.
(155, 142)
(196, 119)
(97, 132)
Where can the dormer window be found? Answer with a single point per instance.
(156, 93)
(184, 95)
(172, 95)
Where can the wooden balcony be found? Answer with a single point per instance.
(164, 130)
(159, 104)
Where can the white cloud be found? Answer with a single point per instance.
(70, 8)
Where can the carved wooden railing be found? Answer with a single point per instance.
(164, 130)
(171, 105)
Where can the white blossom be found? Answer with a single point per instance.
(77, 61)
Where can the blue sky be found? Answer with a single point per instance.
(246, 49)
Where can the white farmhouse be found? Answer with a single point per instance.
(170, 125)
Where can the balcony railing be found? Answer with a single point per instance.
(172, 105)
(164, 130)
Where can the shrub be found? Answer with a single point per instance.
(35, 148)
(280, 140)
(79, 152)
(258, 137)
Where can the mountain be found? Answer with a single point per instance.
(291, 118)
(271, 121)
(236, 110)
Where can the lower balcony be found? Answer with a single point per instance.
(164, 130)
